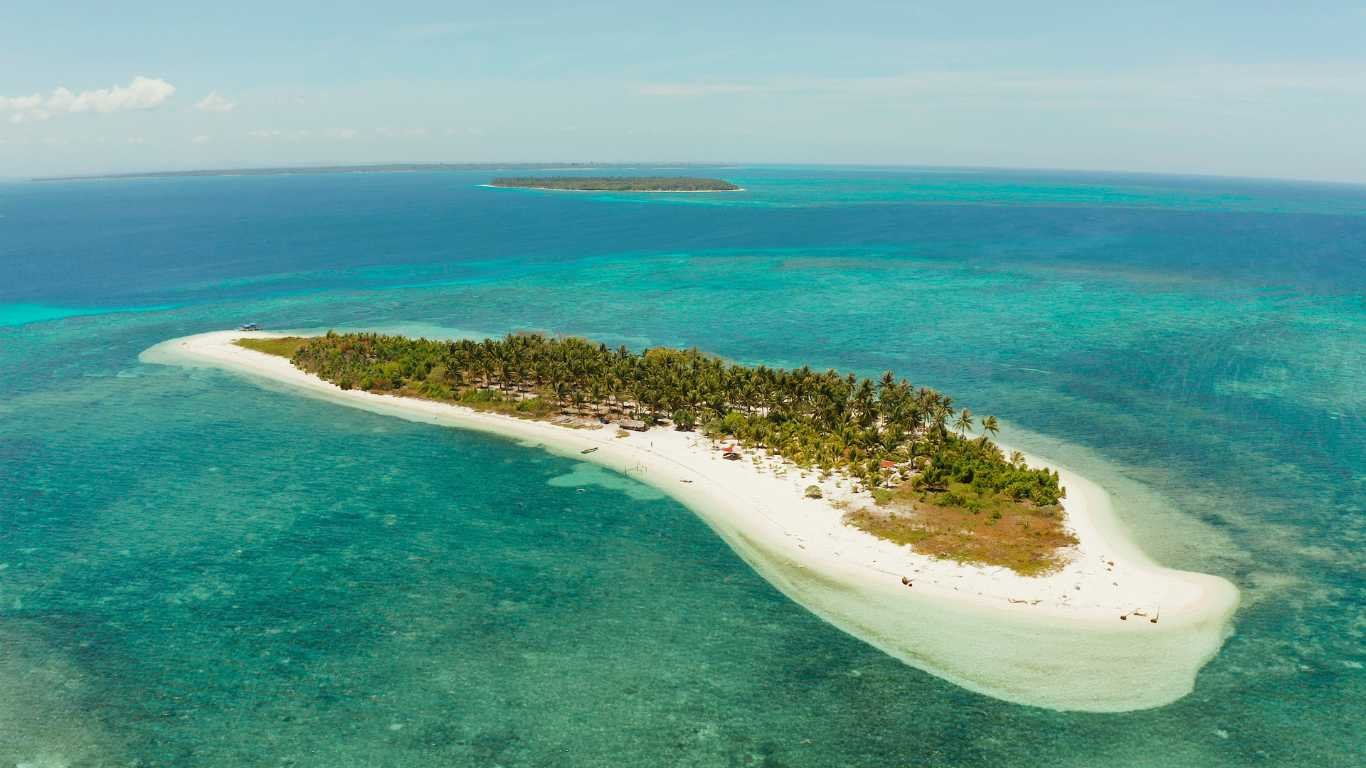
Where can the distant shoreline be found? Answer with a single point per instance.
(615, 183)
(1108, 175)
(633, 191)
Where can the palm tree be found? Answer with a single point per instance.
(939, 420)
(989, 425)
(964, 422)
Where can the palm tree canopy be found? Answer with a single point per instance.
(826, 419)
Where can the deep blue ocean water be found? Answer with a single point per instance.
(198, 571)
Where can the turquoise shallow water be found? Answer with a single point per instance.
(195, 570)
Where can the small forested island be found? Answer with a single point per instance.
(617, 183)
(906, 448)
(870, 501)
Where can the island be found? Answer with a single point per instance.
(617, 183)
(884, 508)
(928, 484)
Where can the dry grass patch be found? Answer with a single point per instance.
(284, 347)
(1021, 536)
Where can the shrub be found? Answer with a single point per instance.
(813, 492)
(684, 420)
(949, 499)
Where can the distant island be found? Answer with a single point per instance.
(617, 183)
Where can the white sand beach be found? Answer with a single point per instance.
(1054, 641)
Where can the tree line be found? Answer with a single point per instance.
(880, 432)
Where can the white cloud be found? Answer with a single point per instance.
(141, 93)
(215, 103)
(200, 140)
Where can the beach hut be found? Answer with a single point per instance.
(890, 475)
(635, 425)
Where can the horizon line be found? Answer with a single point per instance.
(457, 165)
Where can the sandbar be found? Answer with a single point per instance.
(1055, 641)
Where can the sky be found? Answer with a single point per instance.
(1245, 88)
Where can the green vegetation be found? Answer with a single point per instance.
(497, 402)
(284, 347)
(936, 489)
(617, 183)
(885, 434)
(970, 523)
